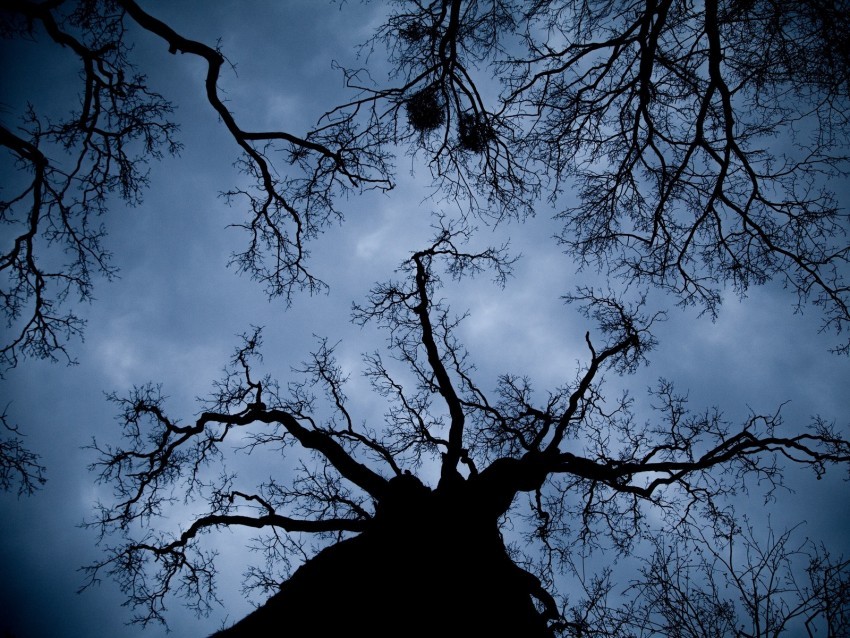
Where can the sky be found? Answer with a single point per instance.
(174, 313)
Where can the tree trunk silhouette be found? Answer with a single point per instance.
(433, 562)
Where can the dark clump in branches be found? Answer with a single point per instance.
(412, 32)
(701, 140)
(474, 132)
(425, 110)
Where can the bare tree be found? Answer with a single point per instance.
(745, 585)
(119, 127)
(577, 466)
(701, 139)
(20, 468)
(70, 170)
(743, 582)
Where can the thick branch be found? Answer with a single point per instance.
(453, 453)
(578, 395)
(356, 472)
(268, 520)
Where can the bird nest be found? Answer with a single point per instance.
(412, 32)
(425, 110)
(474, 132)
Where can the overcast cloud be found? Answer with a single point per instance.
(174, 313)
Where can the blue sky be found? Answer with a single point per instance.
(174, 313)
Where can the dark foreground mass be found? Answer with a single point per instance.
(432, 563)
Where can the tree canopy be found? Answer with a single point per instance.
(692, 148)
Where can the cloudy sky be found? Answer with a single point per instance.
(174, 313)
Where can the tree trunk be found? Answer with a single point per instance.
(430, 566)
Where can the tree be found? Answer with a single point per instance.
(492, 450)
(661, 113)
(119, 127)
(770, 591)
(19, 466)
